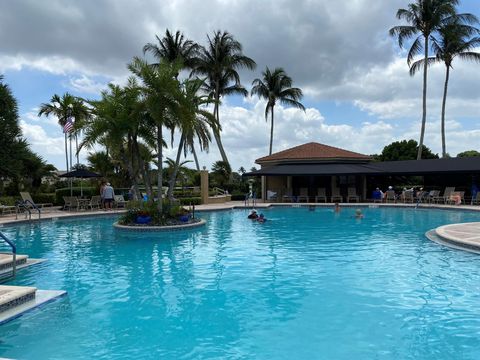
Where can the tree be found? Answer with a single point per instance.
(468, 153)
(404, 150)
(63, 108)
(454, 40)
(219, 62)
(194, 124)
(221, 172)
(276, 86)
(163, 102)
(424, 18)
(11, 141)
(173, 49)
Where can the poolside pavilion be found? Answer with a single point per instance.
(312, 166)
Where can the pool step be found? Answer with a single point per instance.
(13, 296)
(6, 264)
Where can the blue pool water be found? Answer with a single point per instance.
(304, 285)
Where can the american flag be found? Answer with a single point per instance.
(68, 127)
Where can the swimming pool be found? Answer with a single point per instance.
(304, 285)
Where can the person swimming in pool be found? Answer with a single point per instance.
(253, 215)
(261, 218)
(358, 214)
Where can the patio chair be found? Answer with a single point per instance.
(476, 199)
(390, 196)
(321, 195)
(336, 195)
(288, 196)
(446, 195)
(303, 195)
(272, 195)
(377, 196)
(119, 201)
(70, 203)
(95, 202)
(407, 196)
(455, 196)
(432, 196)
(27, 198)
(352, 194)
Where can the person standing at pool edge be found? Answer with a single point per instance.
(108, 194)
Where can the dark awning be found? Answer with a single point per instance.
(409, 167)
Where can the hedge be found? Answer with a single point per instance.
(190, 200)
(8, 200)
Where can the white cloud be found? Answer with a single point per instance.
(86, 85)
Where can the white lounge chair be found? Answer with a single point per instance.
(352, 194)
(336, 195)
(288, 196)
(27, 198)
(321, 195)
(303, 195)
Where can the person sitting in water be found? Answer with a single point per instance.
(253, 215)
(337, 207)
(358, 214)
(261, 218)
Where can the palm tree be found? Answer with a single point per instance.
(174, 48)
(64, 107)
(163, 102)
(454, 40)
(219, 62)
(424, 18)
(195, 124)
(276, 86)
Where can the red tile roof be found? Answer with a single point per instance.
(313, 151)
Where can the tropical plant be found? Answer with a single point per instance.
(173, 49)
(276, 87)
(221, 172)
(220, 61)
(424, 17)
(63, 108)
(468, 153)
(455, 40)
(163, 102)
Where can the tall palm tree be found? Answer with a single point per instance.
(62, 108)
(195, 124)
(455, 40)
(163, 102)
(424, 18)
(276, 86)
(174, 48)
(220, 62)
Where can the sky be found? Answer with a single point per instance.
(357, 90)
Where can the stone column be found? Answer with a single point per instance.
(264, 188)
(204, 186)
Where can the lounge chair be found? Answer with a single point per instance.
(377, 196)
(432, 196)
(27, 198)
(288, 196)
(352, 194)
(390, 196)
(272, 195)
(303, 195)
(321, 195)
(455, 196)
(336, 195)
(119, 201)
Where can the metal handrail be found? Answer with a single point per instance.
(34, 207)
(219, 191)
(14, 252)
(21, 205)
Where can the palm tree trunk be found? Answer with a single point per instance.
(66, 152)
(271, 134)
(424, 113)
(197, 164)
(445, 89)
(216, 133)
(76, 148)
(173, 176)
(160, 167)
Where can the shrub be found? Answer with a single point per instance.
(8, 200)
(45, 198)
(190, 201)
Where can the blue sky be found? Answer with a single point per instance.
(358, 93)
